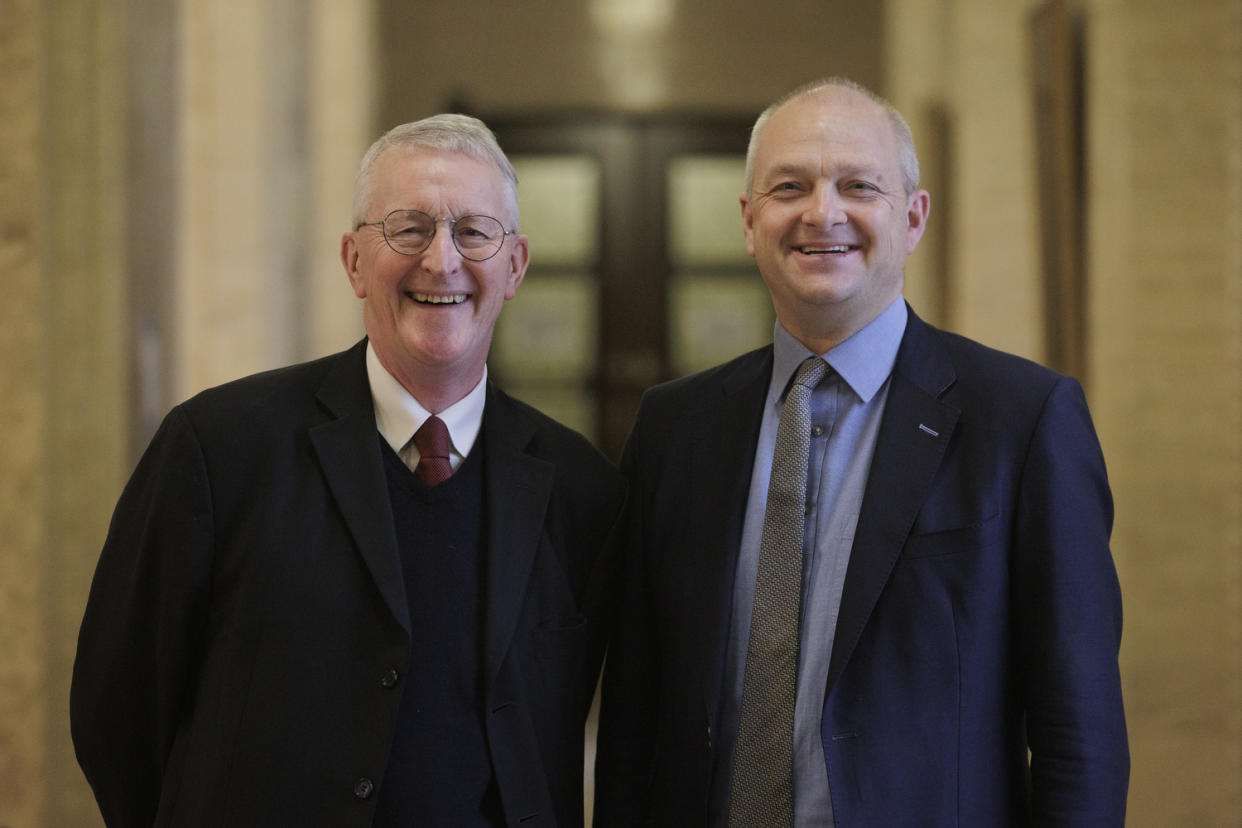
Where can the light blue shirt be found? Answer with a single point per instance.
(846, 409)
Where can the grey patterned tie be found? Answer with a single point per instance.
(762, 792)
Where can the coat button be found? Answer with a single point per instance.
(390, 679)
(363, 788)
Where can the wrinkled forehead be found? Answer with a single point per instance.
(440, 182)
(836, 129)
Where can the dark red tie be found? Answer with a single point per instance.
(432, 442)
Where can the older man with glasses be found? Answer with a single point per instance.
(366, 590)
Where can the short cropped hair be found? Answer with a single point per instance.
(444, 133)
(907, 158)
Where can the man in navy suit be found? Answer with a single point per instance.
(368, 590)
(957, 612)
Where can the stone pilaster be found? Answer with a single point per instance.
(23, 411)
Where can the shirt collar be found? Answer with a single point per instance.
(863, 361)
(398, 415)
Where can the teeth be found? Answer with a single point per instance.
(836, 248)
(435, 299)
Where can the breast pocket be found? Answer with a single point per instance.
(559, 644)
(949, 533)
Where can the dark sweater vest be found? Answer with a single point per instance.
(439, 770)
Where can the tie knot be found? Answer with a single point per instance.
(432, 438)
(810, 372)
(432, 442)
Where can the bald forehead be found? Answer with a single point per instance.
(830, 112)
(828, 128)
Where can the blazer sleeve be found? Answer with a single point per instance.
(143, 625)
(1068, 621)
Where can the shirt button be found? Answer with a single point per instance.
(817, 431)
(363, 788)
(390, 679)
(809, 509)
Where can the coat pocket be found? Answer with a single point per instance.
(929, 538)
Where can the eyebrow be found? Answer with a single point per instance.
(803, 169)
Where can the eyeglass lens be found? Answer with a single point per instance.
(476, 237)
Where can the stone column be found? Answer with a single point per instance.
(63, 383)
(959, 73)
(23, 410)
(275, 114)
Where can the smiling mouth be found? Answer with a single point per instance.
(437, 298)
(832, 248)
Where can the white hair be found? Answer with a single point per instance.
(445, 133)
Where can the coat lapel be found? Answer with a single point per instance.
(517, 488)
(916, 428)
(348, 449)
(721, 469)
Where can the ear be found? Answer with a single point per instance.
(918, 205)
(748, 223)
(519, 258)
(349, 258)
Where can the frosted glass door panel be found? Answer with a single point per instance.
(558, 196)
(705, 218)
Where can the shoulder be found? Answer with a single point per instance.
(273, 394)
(280, 385)
(977, 375)
(1005, 403)
(270, 407)
(710, 388)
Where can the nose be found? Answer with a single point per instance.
(441, 255)
(825, 208)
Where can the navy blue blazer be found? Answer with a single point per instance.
(244, 644)
(981, 613)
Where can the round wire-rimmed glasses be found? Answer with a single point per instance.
(408, 232)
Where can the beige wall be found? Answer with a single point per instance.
(627, 55)
(1164, 356)
(269, 109)
(1166, 301)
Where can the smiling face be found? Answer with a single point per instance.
(827, 218)
(430, 316)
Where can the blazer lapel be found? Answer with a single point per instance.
(726, 431)
(517, 488)
(914, 433)
(349, 453)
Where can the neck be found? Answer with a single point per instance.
(435, 388)
(821, 335)
(827, 327)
